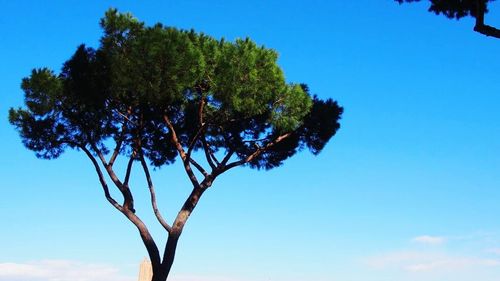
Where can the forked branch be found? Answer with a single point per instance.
(152, 192)
(180, 150)
(198, 166)
(124, 189)
(146, 237)
(102, 180)
(209, 155)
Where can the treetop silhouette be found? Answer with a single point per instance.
(457, 9)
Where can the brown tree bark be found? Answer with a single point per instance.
(161, 271)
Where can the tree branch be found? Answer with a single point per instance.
(198, 166)
(125, 117)
(128, 199)
(209, 154)
(102, 180)
(146, 237)
(256, 153)
(487, 30)
(180, 150)
(227, 157)
(118, 147)
(153, 195)
(480, 26)
(129, 169)
(195, 139)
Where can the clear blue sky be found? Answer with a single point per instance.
(409, 189)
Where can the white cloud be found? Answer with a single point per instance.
(60, 270)
(417, 261)
(451, 264)
(427, 239)
(67, 270)
(463, 259)
(495, 251)
(202, 278)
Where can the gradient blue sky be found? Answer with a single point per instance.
(407, 190)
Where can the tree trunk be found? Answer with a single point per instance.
(169, 255)
(161, 272)
(159, 276)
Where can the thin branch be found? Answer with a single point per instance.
(124, 189)
(174, 139)
(129, 169)
(255, 140)
(118, 146)
(109, 169)
(102, 180)
(195, 139)
(209, 154)
(180, 150)
(153, 195)
(213, 156)
(198, 166)
(125, 117)
(200, 109)
(227, 157)
(256, 153)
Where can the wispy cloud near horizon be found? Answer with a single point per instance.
(71, 270)
(461, 260)
(420, 261)
(60, 270)
(430, 240)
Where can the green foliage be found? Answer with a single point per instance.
(140, 75)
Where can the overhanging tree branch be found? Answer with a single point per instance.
(459, 9)
(480, 26)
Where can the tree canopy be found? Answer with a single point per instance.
(457, 9)
(157, 94)
(142, 74)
